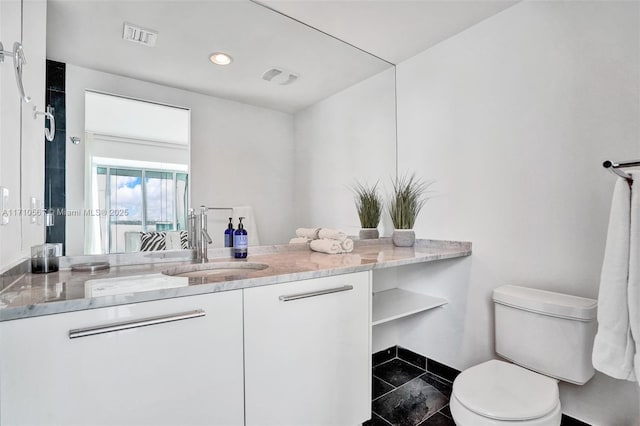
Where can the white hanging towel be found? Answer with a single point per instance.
(634, 271)
(615, 350)
(249, 223)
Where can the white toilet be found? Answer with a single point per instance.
(550, 336)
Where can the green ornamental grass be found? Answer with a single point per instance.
(369, 204)
(409, 196)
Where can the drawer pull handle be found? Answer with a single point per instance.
(315, 293)
(126, 325)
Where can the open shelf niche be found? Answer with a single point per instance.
(389, 305)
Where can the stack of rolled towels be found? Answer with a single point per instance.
(324, 240)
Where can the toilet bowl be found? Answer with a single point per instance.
(498, 393)
(550, 337)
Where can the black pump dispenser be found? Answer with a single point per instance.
(228, 234)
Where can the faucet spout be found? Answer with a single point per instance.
(205, 238)
(205, 234)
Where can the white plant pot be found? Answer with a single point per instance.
(404, 237)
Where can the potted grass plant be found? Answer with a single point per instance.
(369, 206)
(409, 196)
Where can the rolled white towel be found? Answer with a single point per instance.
(347, 245)
(299, 240)
(326, 246)
(310, 233)
(332, 234)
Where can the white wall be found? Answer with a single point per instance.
(10, 25)
(21, 136)
(34, 23)
(513, 118)
(350, 135)
(240, 154)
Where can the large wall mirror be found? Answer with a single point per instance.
(151, 126)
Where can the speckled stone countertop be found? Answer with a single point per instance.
(33, 295)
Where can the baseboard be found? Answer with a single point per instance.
(570, 421)
(413, 358)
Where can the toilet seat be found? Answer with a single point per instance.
(464, 417)
(502, 393)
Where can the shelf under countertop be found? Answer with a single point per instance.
(389, 305)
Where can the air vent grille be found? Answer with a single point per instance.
(280, 76)
(139, 35)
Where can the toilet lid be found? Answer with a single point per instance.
(504, 391)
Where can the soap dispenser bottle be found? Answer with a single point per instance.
(228, 234)
(240, 241)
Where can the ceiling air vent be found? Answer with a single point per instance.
(280, 76)
(139, 35)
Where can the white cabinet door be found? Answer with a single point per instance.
(308, 359)
(180, 372)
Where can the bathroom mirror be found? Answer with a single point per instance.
(147, 119)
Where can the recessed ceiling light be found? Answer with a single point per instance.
(220, 58)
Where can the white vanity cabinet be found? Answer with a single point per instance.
(307, 352)
(168, 362)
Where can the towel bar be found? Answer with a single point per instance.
(615, 166)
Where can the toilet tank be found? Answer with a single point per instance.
(551, 333)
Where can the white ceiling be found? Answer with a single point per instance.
(88, 33)
(393, 30)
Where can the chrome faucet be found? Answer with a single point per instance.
(204, 238)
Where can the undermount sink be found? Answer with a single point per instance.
(217, 268)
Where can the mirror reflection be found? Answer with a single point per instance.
(138, 172)
(165, 105)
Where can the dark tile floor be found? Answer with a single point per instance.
(406, 394)
(411, 390)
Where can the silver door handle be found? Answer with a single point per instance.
(19, 61)
(315, 293)
(126, 325)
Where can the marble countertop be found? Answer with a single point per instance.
(32, 295)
